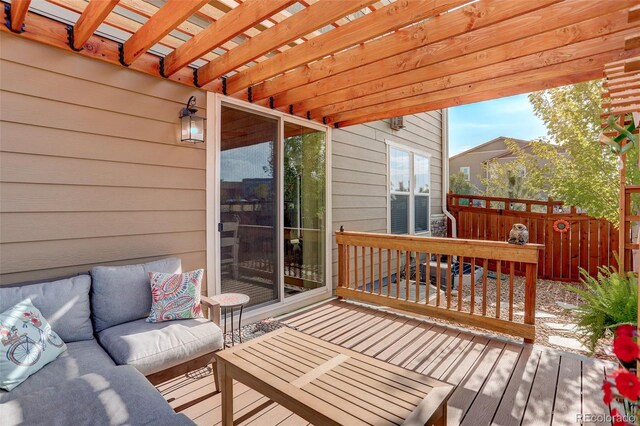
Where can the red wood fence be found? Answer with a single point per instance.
(588, 243)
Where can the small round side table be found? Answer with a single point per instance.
(231, 301)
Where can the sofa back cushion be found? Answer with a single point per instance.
(121, 294)
(64, 303)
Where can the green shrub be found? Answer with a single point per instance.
(609, 300)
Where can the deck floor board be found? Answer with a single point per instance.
(497, 382)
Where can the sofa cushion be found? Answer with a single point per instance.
(80, 358)
(121, 294)
(153, 347)
(64, 303)
(28, 344)
(114, 396)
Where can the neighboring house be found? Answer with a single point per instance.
(94, 173)
(472, 161)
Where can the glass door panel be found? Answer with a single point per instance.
(304, 209)
(248, 205)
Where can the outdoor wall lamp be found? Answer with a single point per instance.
(192, 124)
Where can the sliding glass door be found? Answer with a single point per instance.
(248, 205)
(304, 209)
(271, 195)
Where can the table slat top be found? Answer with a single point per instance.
(334, 382)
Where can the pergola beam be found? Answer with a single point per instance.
(161, 23)
(550, 76)
(234, 22)
(476, 96)
(469, 18)
(388, 18)
(545, 49)
(488, 42)
(53, 33)
(17, 12)
(305, 21)
(90, 19)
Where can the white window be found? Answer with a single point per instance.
(409, 191)
(466, 171)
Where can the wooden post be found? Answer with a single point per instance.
(342, 263)
(530, 296)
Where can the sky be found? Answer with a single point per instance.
(474, 124)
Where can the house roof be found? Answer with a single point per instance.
(520, 142)
(343, 62)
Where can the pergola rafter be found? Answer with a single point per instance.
(353, 61)
(91, 18)
(389, 18)
(315, 16)
(482, 14)
(160, 24)
(482, 55)
(230, 25)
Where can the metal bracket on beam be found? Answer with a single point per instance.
(249, 95)
(224, 85)
(335, 125)
(195, 78)
(271, 103)
(308, 115)
(71, 38)
(291, 109)
(324, 120)
(121, 55)
(7, 20)
(161, 69)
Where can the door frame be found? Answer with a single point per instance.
(215, 102)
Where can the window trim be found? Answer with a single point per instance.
(412, 152)
(467, 174)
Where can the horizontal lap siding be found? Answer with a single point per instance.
(91, 170)
(359, 173)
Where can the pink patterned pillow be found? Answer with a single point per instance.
(175, 296)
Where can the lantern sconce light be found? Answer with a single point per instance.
(192, 124)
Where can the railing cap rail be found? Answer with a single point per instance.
(495, 250)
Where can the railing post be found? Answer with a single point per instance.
(531, 271)
(342, 259)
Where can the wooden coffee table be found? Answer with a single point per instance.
(329, 385)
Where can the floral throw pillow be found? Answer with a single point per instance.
(27, 344)
(175, 296)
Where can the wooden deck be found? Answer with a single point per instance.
(497, 381)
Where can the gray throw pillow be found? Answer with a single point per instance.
(121, 294)
(64, 303)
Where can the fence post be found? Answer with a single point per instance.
(530, 296)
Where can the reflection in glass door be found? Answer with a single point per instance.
(248, 205)
(304, 209)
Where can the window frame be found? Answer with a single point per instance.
(412, 185)
(467, 173)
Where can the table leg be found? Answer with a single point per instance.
(225, 328)
(240, 325)
(227, 394)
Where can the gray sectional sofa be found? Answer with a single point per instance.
(113, 356)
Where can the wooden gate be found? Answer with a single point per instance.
(587, 242)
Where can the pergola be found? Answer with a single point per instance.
(350, 61)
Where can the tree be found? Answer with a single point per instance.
(572, 164)
(512, 179)
(458, 184)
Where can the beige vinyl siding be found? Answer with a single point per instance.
(91, 170)
(359, 172)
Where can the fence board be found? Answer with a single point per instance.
(588, 244)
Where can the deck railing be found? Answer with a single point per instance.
(443, 278)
